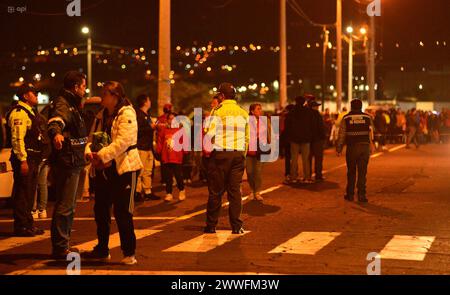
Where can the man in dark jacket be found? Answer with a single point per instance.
(68, 133)
(318, 140)
(299, 124)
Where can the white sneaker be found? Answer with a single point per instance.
(42, 214)
(259, 197)
(251, 197)
(35, 214)
(182, 195)
(168, 198)
(129, 260)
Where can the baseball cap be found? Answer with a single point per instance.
(25, 88)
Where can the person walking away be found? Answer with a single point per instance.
(356, 132)
(67, 131)
(318, 141)
(227, 163)
(116, 166)
(171, 158)
(299, 124)
(145, 148)
(26, 154)
(285, 145)
(412, 124)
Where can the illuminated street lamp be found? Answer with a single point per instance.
(350, 30)
(86, 31)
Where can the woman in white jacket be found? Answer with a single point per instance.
(115, 167)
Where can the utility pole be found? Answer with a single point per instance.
(371, 77)
(89, 65)
(283, 55)
(339, 54)
(350, 68)
(326, 35)
(164, 51)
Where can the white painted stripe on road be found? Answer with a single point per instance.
(397, 148)
(205, 242)
(114, 240)
(93, 219)
(306, 243)
(14, 242)
(407, 248)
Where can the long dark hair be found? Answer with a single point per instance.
(116, 89)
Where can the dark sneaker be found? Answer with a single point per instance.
(209, 230)
(24, 232)
(37, 231)
(238, 231)
(363, 199)
(348, 198)
(62, 255)
(320, 179)
(97, 255)
(152, 197)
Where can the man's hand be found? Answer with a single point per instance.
(24, 168)
(58, 141)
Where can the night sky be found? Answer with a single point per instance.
(133, 23)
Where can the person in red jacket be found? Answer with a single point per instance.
(171, 157)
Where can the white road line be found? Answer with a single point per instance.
(205, 242)
(114, 240)
(407, 248)
(14, 242)
(306, 243)
(137, 218)
(397, 148)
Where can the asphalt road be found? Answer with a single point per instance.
(295, 230)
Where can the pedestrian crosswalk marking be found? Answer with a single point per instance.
(15, 242)
(407, 248)
(306, 243)
(205, 242)
(114, 240)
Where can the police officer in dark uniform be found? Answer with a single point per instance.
(26, 154)
(227, 162)
(356, 130)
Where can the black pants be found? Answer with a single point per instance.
(23, 193)
(358, 156)
(118, 190)
(171, 170)
(317, 154)
(287, 159)
(225, 171)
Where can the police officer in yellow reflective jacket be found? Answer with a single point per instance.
(356, 130)
(26, 137)
(229, 133)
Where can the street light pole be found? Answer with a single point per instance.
(283, 55)
(326, 34)
(350, 68)
(339, 54)
(164, 85)
(371, 71)
(86, 31)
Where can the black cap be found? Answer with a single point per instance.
(228, 90)
(25, 88)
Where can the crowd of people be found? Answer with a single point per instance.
(111, 156)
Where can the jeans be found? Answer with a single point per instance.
(254, 167)
(41, 196)
(304, 149)
(357, 157)
(66, 189)
(317, 154)
(171, 170)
